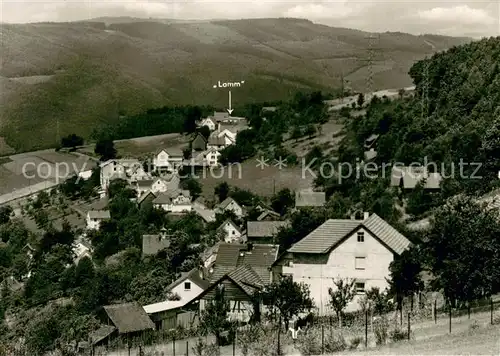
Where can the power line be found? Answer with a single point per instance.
(371, 56)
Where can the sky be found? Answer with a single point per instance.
(456, 18)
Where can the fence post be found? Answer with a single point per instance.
(234, 341)
(491, 310)
(435, 311)
(468, 310)
(187, 347)
(173, 345)
(450, 317)
(409, 327)
(322, 339)
(366, 329)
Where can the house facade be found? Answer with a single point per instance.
(229, 204)
(168, 161)
(343, 249)
(209, 122)
(95, 217)
(177, 201)
(155, 186)
(212, 157)
(232, 232)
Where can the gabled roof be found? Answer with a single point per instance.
(333, 232)
(193, 276)
(171, 151)
(129, 317)
(226, 202)
(198, 136)
(206, 214)
(264, 228)
(232, 255)
(145, 183)
(145, 195)
(309, 198)
(230, 222)
(99, 214)
(266, 213)
(102, 333)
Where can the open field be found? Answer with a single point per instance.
(264, 182)
(327, 139)
(89, 72)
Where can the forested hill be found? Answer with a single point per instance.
(455, 115)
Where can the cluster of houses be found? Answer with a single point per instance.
(247, 258)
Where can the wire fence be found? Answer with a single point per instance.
(324, 335)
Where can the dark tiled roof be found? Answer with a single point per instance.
(260, 258)
(329, 234)
(145, 182)
(246, 277)
(129, 317)
(101, 333)
(216, 141)
(145, 195)
(267, 213)
(306, 198)
(193, 276)
(264, 228)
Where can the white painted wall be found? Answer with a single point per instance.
(341, 264)
(187, 294)
(231, 233)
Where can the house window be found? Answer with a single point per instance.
(361, 236)
(187, 285)
(360, 263)
(360, 287)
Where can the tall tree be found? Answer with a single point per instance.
(287, 299)
(215, 316)
(222, 191)
(105, 149)
(282, 201)
(463, 247)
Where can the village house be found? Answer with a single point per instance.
(232, 232)
(229, 204)
(126, 169)
(168, 161)
(306, 198)
(407, 178)
(152, 244)
(199, 143)
(95, 217)
(241, 269)
(209, 122)
(174, 201)
(343, 249)
(264, 232)
(268, 215)
(370, 141)
(156, 185)
(171, 314)
(217, 142)
(126, 321)
(81, 249)
(147, 196)
(211, 157)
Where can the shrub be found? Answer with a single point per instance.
(355, 343)
(248, 337)
(310, 343)
(335, 342)
(266, 344)
(380, 328)
(398, 335)
(201, 348)
(496, 320)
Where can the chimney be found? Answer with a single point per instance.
(249, 247)
(366, 215)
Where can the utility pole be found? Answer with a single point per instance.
(371, 55)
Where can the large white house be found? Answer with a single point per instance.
(157, 185)
(343, 249)
(209, 122)
(169, 161)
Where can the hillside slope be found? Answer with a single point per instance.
(84, 74)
